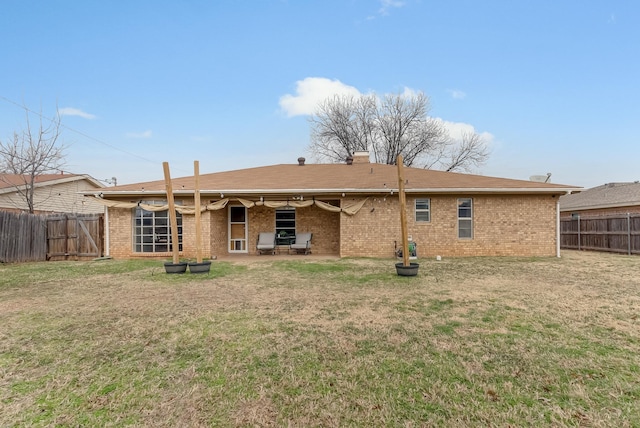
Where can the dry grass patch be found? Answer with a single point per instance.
(270, 342)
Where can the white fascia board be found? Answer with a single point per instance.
(389, 190)
(7, 190)
(466, 190)
(548, 190)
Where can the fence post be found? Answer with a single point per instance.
(629, 233)
(579, 232)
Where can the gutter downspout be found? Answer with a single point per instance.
(106, 232)
(558, 228)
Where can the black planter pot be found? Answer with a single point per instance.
(171, 267)
(203, 267)
(411, 270)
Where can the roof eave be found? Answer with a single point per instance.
(600, 206)
(260, 192)
(503, 190)
(53, 182)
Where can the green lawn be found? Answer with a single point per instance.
(307, 342)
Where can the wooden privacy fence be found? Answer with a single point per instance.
(31, 237)
(616, 234)
(23, 237)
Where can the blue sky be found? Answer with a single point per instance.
(554, 85)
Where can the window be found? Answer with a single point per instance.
(465, 218)
(423, 210)
(285, 222)
(152, 230)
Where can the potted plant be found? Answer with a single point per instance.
(179, 267)
(407, 270)
(200, 267)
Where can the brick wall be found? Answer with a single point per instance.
(218, 229)
(189, 249)
(523, 225)
(503, 225)
(261, 219)
(120, 223)
(324, 225)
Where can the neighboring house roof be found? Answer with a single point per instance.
(324, 179)
(52, 193)
(8, 182)
(611, 195)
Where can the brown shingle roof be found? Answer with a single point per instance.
(336, 178)
(12, 180)
(609, 195)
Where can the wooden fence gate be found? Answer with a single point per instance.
(74, 236)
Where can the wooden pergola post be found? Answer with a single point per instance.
(196, 198)
(403, 213)
(172, 214)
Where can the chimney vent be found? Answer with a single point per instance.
(301, 161)
(361, 157)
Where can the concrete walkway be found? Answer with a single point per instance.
(275, 257)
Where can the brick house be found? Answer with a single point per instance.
(53, 193)
(606, 200)
(352, 210)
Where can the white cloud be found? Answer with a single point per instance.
(70, 111)
(409, 93)
(145, 134)
(388, 4)
(457, 94)
(458, 129)
(310, 92)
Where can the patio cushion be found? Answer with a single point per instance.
(302, 242)
(266, 242)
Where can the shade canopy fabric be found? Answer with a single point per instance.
(218, 205)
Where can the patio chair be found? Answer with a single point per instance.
(266, 243)
(302, 244)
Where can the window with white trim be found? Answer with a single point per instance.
(423, 210)
(152, 230)
(465, 218)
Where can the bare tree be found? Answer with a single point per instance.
(30, 153)
(342, 126)
(472, 151)
(395, 125)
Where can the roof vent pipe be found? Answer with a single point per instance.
(301, 161)
(349, 160)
